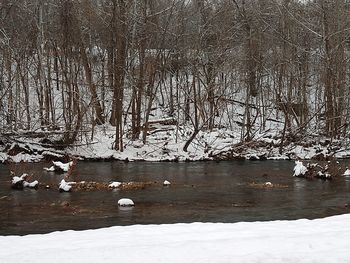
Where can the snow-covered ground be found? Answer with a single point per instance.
(167, 136)
(168, 146)
(320, 240)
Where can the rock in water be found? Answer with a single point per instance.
(347, 172)
(125, 202)
(64, 186)
(166, 183)
(34, 184)
(114, 184)
(64, 167)
(50, 169)
(17, 182)
(299, 169)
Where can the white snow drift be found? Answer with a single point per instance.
(321, 240)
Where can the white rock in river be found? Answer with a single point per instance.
(33, 184)
(114, 184)
(62, 166)
(64, 186)
(166, 183)
(347, 172)
(17, 181)
(268, 184)
(125, 202)
(50, 169)
(299, 169)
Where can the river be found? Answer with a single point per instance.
(200, 192)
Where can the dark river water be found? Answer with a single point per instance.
(200, 192)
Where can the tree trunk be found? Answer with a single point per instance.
(117, 109)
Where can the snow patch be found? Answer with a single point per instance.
(25, 157)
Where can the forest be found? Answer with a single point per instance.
(174, 131)
(271, 71)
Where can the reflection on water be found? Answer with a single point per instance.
(200, 192)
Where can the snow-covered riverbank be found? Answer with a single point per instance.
(166, 144)
(321, 240)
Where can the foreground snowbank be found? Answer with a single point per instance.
(321, 240)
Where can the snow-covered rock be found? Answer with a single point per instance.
(323, 175)
(50, 169)
(166, 183)
(64, 186)
(62, 166)
(347, 172)
(17, 181)
(33, 184)
(125, 202)
(268, 184)
(320, 174)
(327, 175)
(299, 169)
(114, 184)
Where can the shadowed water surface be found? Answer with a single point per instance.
(200, 192)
